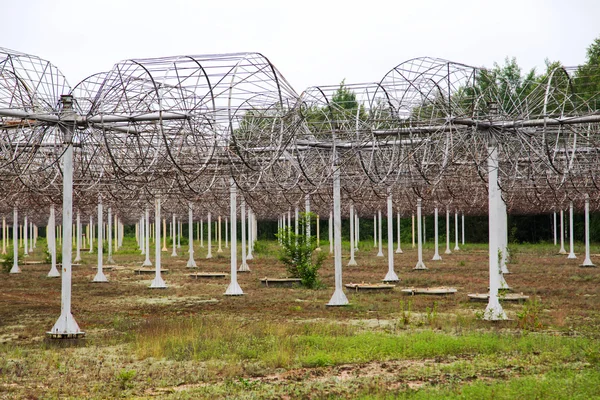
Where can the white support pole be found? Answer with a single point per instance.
(100, 277)
(209, 236)
(436, 255)
(330, 229)
(374, 230)
(4, 235)
(554, 230)
(51, 238)
(219, 235)
(420, 264)
(157, 282)
(142, 234)
(571, 244)
(587, 262)
(562, 233)
(289, 225)
(295, 222)
(226, 232)
(356, 231)
(147, 262)
(244, 266)
(448, 251)
(91, 239)
(380, 238)
(249, 255)
(318, 235)
(234, 288)
(456, 248)
(66, 325)
(109, 239)
(339, 297)
(462, 227)
(399, 249)
(391, 274)
(413, 230)
(202, 232)
(494, 310)
(191, 263)
(164, 234)
(25, 241)
(424, 229)
(179, 224)
(15, 268)
(307, 216)
(78, 241)
(352, 261)
(173, 237)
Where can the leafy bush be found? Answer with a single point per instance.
(298, 254)
(48, 258)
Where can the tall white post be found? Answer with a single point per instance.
(249, 256)
(339, 297)
(587, 262)
(201, 232)
(91, 241)
(374, 230)
(448, 251)
(147, 262)
(219, 235)
(462, 227)
(234, 288)
(142, 234)
(191, 263)
(420, 263)
(179, 233)
(226, 232)
(330, 229)
(78, 241)
(352, 261)
(399, 249)
(66, 325)
(109, 239)
(391, 274)
(554, 230)
(307, 216)
(380, 228)
(562, 234)
(356, 231)
(424, 229)
(15, 268)
(173, 237)
(244, 266)
(4, 238)
(494, 310)
(571, 245)
(157, 282)
(456, 248)
(209, 236)
(25, 241)
(100, 277)
(436, 255)
(164, 234)
(413, 230)
(51, 238)
(318, 235)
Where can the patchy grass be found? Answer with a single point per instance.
(284, 342)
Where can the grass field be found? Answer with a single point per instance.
(190, 341)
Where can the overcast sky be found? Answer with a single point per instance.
(310, 42)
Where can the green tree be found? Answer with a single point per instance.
(587, 76)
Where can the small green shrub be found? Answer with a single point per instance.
(299, 256)
(124, 378)
(529, 318)
(8, 262)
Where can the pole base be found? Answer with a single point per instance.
(100, 277)
(456, 248)
(562, 251)
(448, 251)
(338, 299)
(233, 289)
(587, 263)
(380, 254)
(244, 268)
(249, 257)
(53, 273)
(391, 277)
(399, 251)
(352, 263)
(494, 311)
(208, 256)
(158, 283)
(191, 263)
(571, 256)
(15, 269)
(147, 263)
(436, 257)
(420, 266)
(65, 327)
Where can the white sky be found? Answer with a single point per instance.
(310, 42)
